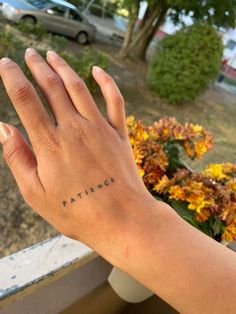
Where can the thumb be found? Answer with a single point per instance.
(21, 160)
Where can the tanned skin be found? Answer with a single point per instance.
(80, 175)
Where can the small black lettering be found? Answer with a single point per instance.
(72, 200)
(91, 189)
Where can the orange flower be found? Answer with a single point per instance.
(162, 185)
(177, 193)
(230, 232)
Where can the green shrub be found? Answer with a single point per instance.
(186, 63)
(8, 42)
(83, 65)
(32, 29)
(59, 42)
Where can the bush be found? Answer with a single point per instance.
(205, 199)
(84, 63)
(32, 29)
(185, 63)
(8, 42)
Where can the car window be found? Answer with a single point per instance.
(75, 16)
(57, 10)
(231, 44)
(40, 4)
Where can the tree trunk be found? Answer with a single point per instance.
(140, 35)
(140, 52)
(133, 16)
(128, 39)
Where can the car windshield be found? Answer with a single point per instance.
(40, 4)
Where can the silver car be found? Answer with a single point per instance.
(56, 16)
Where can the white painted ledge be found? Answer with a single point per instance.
(26, 270)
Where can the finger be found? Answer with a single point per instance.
(21, 161)
(75, 86)
(114, 100)
(51, 85)
(24, 98)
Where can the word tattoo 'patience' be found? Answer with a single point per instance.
(88, 191)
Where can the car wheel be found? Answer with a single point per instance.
(82, 38)
(28, 20)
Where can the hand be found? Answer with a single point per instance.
(81, 175)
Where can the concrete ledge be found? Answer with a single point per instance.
(31, 268)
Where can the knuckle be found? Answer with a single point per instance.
(47, 140)
(78, 85)
(22, 92)
(52, 80)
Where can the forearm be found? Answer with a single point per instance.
(186, 268)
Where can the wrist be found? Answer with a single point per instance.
(132, 229)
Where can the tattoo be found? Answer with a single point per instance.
(88, 191)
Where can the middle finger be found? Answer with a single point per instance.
(51, 86)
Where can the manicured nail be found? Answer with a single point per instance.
(98, 69)
(52, 55)
(5, 132)
(30, 51)
(5, 60)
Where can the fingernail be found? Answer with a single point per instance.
(52, 55)
(98, 69)
(30, 51)
(5, 132)
(5, 60)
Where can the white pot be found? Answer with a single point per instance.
(128, 288)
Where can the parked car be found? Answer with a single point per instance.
(57, 16)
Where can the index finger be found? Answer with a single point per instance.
(24, 98)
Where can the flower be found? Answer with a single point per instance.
(177, 193)
(200, 205)
(210, 195)
(162, 185)
(229, 232)
(196, 128)
(215, 171)
(200, 148)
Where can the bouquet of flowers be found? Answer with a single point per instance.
(205, 199)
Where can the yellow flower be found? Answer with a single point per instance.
(166, 131)
(200, 148)
(177, 193)
(230, 232)
(216, 171)
(200, 205)
(162, 184)
(130, 120)
(137, 155)
(196, 128)
(141, 171)
(232, 184)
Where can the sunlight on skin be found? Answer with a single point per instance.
(80, 150)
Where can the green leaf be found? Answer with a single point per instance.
(181, 209)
